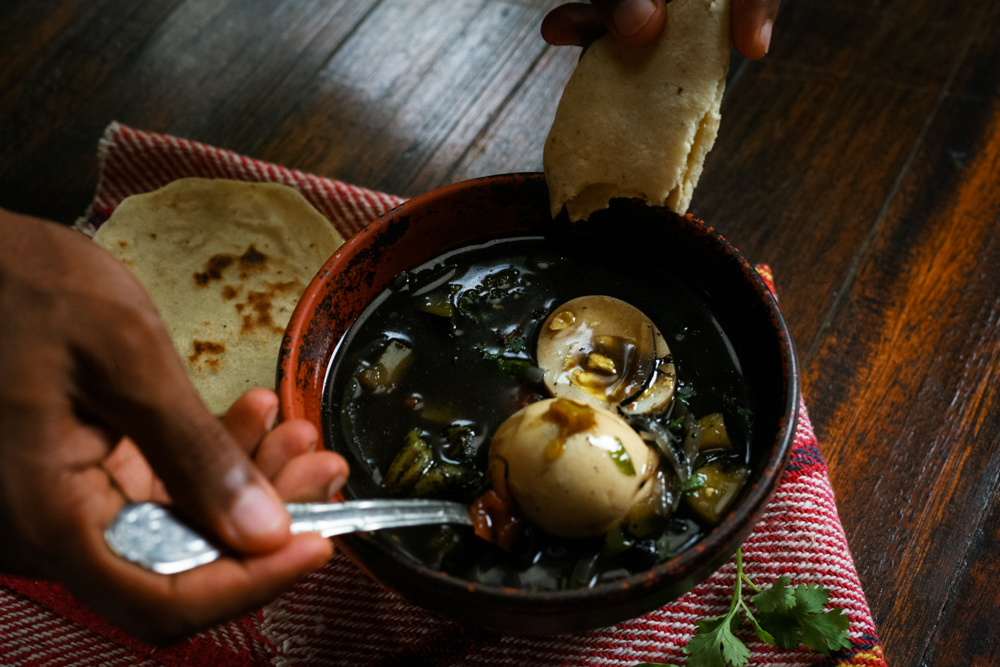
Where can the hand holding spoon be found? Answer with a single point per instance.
(155, 537)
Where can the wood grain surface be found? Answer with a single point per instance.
(860, 158)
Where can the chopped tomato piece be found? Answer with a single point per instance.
(496, 519)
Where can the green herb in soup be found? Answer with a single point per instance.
(587, 405)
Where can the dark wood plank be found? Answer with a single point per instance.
(513, 141)
(27, 30)
(908, 409)
(412, 87)
(966, 634)
(813, 140)
(78, 46)
(223, 73)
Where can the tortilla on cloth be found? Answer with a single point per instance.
(638, 122)
(225, 262)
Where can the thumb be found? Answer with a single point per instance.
(133, 380)
(633, 22)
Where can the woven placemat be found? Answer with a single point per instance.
(338, 616)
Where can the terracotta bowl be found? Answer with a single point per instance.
(517, 205)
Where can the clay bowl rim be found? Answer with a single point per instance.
(715, 548)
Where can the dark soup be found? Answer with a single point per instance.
(439, 361)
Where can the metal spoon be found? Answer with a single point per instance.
(155, 537)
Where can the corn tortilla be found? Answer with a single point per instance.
(225, 262)
(638, 122)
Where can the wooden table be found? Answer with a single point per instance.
(861, 159)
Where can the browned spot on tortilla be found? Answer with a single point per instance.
(214, 268)
(283, 288)
(261, 304)
(123, 244)
(207, 347)
(152, 235)
(252, 261)
(253, 256)
(229, 292)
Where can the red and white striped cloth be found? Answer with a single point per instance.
(337, 616)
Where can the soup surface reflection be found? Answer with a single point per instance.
(439, 360)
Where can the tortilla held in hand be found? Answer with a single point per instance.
(638, 122)
(225, 262)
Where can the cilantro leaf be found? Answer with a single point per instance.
(797, 615)
(810, 598)
(779, 597)
(787, 616)
(716, 644)
(826, 632)
(519, 368)
(783, 628)
(693, 483)
(516, 367)
(515, 345)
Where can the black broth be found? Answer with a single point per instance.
(472, 370)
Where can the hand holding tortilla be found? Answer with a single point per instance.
(638, 122)
(638, 22)
(86, 359)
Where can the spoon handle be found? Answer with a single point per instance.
(155, 537)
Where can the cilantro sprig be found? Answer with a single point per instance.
(786, 615)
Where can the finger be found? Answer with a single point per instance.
(129, 471)
(632, 22)
(66, 540)
(573, 24)
(316, 477)
(250, 418)
(752, 22)
(132, 474)
(132, 378)
(289, 440)
(163, 609)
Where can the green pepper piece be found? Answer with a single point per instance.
(410, 464)
(712, 500)
(461, 442)
(442, 478)
(621, 458)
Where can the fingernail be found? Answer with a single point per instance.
(631, 15)
(335, 486)
(256, 514)
(765, 35)
(271, 417)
